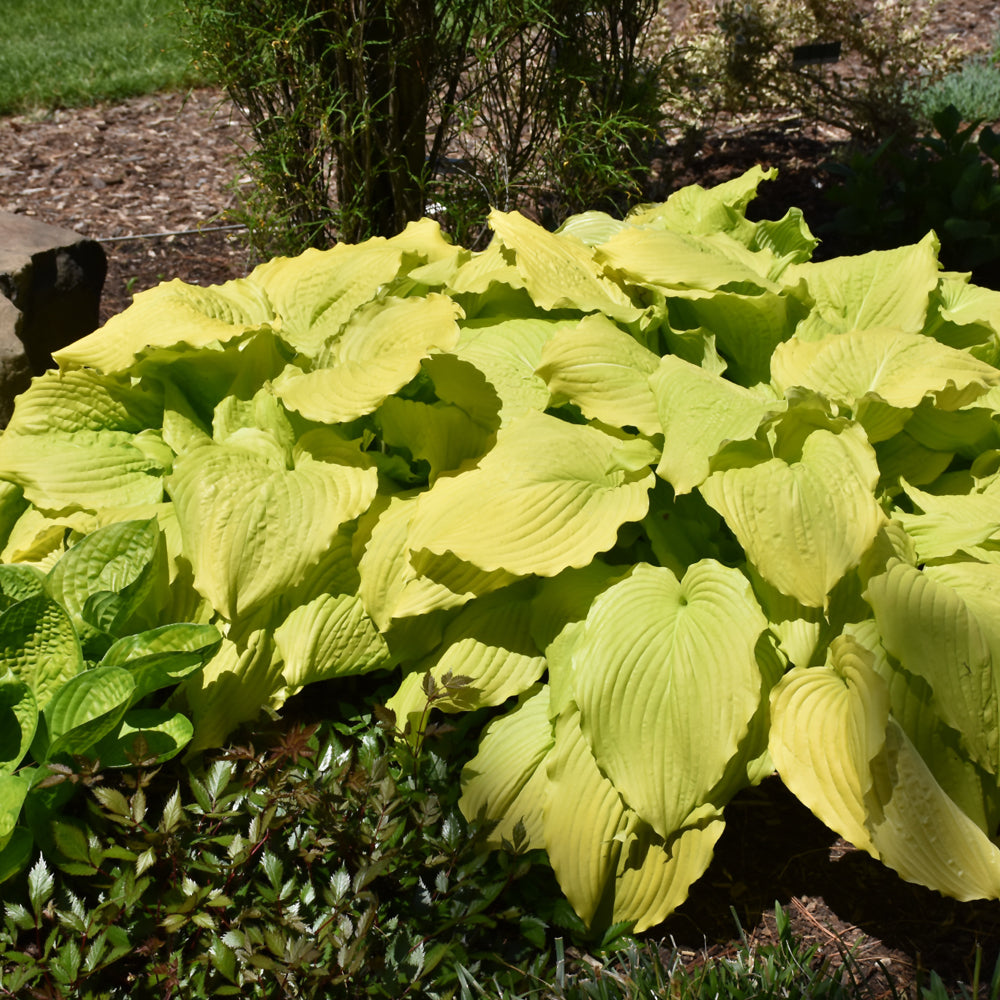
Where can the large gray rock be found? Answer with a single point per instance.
(15, 371)
(50, 283)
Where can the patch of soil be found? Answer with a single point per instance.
(165, 164)
(162, 164)
(774, 851)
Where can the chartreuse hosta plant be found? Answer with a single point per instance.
(683, 506)
(78, 667)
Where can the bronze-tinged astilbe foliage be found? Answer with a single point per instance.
(321, 860)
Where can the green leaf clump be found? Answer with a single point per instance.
(78, 681)
(320, 860)
(677, 506)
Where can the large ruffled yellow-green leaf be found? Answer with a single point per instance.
(331, 636)
(968, 432)
(666, 674)
(559, 271)
(393, 587)
(84, 470)
(903, 457)
(699, 412)
(609, 864)
(377, 353)
(488, 644)
(82, 441)
(968, 317)
(592, 227)
(317, 292)
(840, 752)
(944, 636)
(883, 288)
(252, 527)
(549, 495)
(888, 364)
(232, 687)
(507, 352)
(442, 435)
(506, 780)
(746, 327)
(675, 261)
(920, 833)
(559, 612)
(978, 585)
(171, 313)
(952, 523)
(804, 524)
(40, 540)
(605, 372)
(73, 401)
(700, 211)
(969, 786)
(827, 725)
(480, 272)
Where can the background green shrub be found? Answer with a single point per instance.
(948, 182)
(739, 54)
(365, 114)
(974, 90)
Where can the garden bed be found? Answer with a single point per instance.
(163, 165)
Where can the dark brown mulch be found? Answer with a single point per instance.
(165, 164)
(838, 898)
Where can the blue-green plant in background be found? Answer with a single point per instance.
(681, 505)
(973, 89)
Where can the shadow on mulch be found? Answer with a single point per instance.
(840, 899)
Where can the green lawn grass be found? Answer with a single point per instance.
(67, 53)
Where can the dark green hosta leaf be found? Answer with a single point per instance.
(13, 789)
(87, 708)
(104, 580)
(18, 719)
(161, 657)
(16, 854)
(20, 582)
(145, 735)
(39, 645)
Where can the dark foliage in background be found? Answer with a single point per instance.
(366, 115)
(948, 182)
